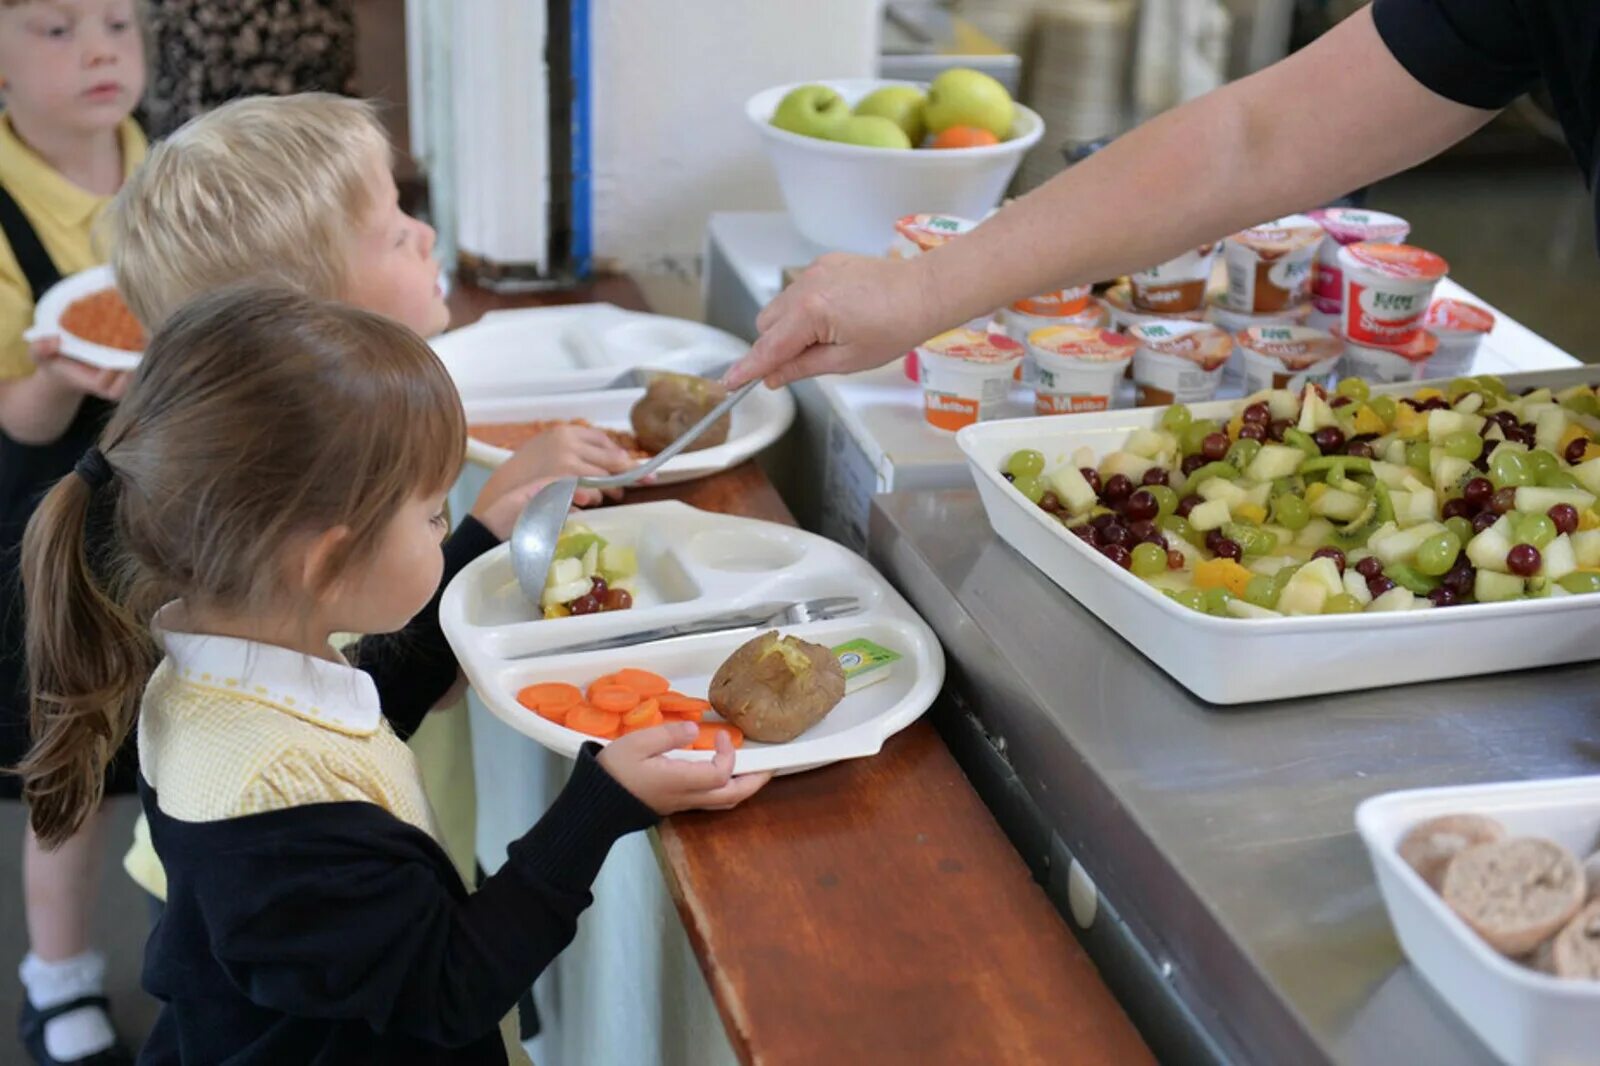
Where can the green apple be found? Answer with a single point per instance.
(811, 111)
(874, 131)
(900, 104)
(962, 97)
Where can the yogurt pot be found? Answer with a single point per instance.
(1287, 357)
(966, 376)
(1118, 301)
(1381, 364)
(1348, 225)
(982, 324)
(1387, 290)
(1269, 266)
(1077, 368)
(915, 234)
(1177, 285)
(1178, 362)
(1460, 327)
(1234, 322)
(1065, 307)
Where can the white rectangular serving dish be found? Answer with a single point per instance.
(1525, 1017)
(1237, 660)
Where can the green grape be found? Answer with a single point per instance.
(1461, 527)
(1031, 487)
(1539, 463)
(1193, 599)
(1176, 418)
(1296, 439)
(1560, 479)
(1281, 579)
(1149, 560)
(1438, 553)
(1580, 582)
(1251, 541)
(1464, 445)
(1217, 601)
(1535, 529)
(1508, 468)
(1419, 454)
(1196, 433)
(1355, 388)
(1025, 463)
(1291, 511)
(1409, 578)
(1259, 591)
(1243, 451)
(1585, 404)
(1492, 385)
(1460, 387)
(1166, 499)
(1384, 407)
(1178, 527)
(1343, 603)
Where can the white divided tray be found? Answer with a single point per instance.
(757, 422)
(1525, 1017)
(1238, 660)
(581, 346)
(54, 303)
(694, 564)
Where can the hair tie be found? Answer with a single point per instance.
(94, 469)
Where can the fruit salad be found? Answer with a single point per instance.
(1319, 503)
(589, 575)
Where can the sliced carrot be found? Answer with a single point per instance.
(556, 712)
(610, 696)
(678, 703)
(707, 740)
(643, 716)
(549, 694)
(642, 681)
(684, 716)
(593, 721)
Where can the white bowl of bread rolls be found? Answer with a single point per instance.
(1494, 894)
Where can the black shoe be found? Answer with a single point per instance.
(30, 1027)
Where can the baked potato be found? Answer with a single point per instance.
(672, 404)
(776, 688)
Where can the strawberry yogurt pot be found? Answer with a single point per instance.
(1178, 362)
(915, 234)
(1380, 364)
(1460, 327)
(1347, 225)
(966, 375)
(1177, 285)
(1288, 357)
(1077, 368)
(1387, 290)
(1269, 266)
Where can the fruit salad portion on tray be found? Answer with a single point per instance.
(1318, 503)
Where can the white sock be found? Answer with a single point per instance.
(76, 1034)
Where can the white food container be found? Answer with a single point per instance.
(54, 303)
(1525, 1017)
(848, 196)
(1238, 660)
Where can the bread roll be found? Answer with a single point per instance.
(1515, 893)
(1575, 952)
(1430, 845)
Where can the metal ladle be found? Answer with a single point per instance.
(538, 528)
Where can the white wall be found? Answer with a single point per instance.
(671, 143)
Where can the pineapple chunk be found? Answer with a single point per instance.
(1210, 515)
(1368, 421)
(1408, 424)
(1253, 513)
(1221, 573)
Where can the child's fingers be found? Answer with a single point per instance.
(734, 792)
(658, 740)
(587, 497)
(694, 778)
(723, 759)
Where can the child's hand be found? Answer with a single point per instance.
(79, 377)
(640, 764)
(564, 451)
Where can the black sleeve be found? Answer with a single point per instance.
(345, 926)
(1475, 52)
(415, 667)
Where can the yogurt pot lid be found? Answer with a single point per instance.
(974, 346)
(1458, 315)
(1398, 260)
(1199, 342)
(1049, 304)
(1297, 347)
(930, 231)
(1119, 298)
(1083, 342)
(1418, 349)
(1350, 225)
(1281, 236)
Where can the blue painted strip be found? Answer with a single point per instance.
(582, 147)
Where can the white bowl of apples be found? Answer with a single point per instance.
(854, 155)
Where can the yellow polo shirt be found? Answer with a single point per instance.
(63, 214)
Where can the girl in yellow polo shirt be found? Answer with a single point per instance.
(70, 76)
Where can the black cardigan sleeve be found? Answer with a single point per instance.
(348, 923)
(415, 667)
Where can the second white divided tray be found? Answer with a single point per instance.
(694, 564)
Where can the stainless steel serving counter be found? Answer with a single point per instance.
(1236, 913)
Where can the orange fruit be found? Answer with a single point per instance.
(964, 137)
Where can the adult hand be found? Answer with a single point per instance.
(562, 451)
(640, 764)
(844, 313)
(79, 377)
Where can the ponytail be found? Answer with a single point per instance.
(88, 658)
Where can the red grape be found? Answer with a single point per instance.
(1146, 533)
(1228, 549)
(1523, 560)
(1191, 463)
(1444, 596)
(1483, 520)
(1084, 532)
(1253, 431)
(584, 605)
(1118, 487)
(1278, 428)
(1565, 516)
(1213, 538)
(1360, 449)
(1050, 502)
(1339, 401)
(1215, 447)
(1174, 559)
(1576, 451)
(618, 600)
(1478, 492)
(1187, 505)
(1503, 500)
(1092, 476)
(1369, 567)
(1118, 554)
(1329, 439)
(1456, 508)
(1156, 475)
(598, 586)
(1141, 506)
(1331, 553)
(1256, 414)
(1379, 585)
(1117, 535)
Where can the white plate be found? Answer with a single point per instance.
(581, 346)
(757, 422)
(1237, 660)
(693, 563)
(54, 303)
(1525, 1017)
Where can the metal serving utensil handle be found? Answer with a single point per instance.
(688, 437)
